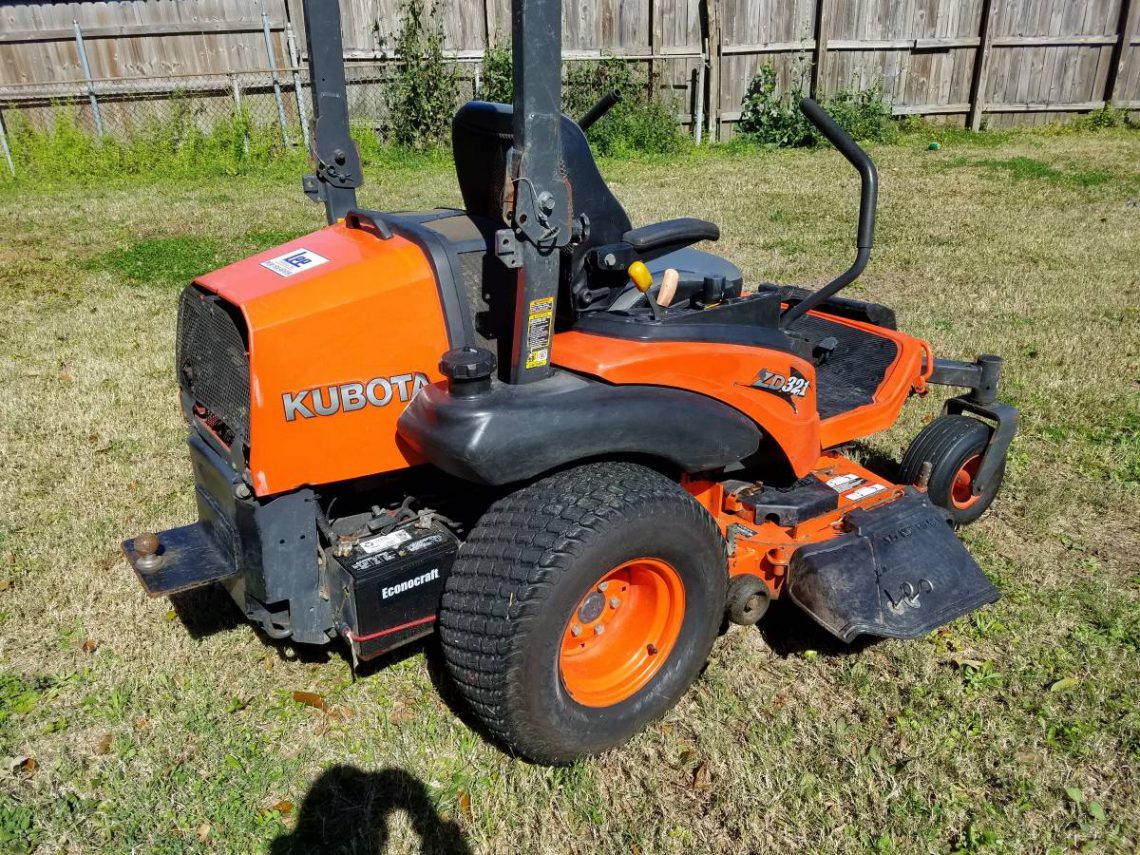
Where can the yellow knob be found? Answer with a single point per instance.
(641, 276)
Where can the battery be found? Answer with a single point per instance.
(392, 584)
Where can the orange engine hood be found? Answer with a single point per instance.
(343, 329)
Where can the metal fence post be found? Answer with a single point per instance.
(295, 61)
(236, 89)
(4, 145)
(87, 76)
(276, 82)
(699, 99)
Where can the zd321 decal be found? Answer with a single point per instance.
(788, 386)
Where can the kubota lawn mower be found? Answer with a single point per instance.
(571, 445)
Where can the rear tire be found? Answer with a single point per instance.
(954, 446)
(524, 595)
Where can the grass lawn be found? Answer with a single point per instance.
(1015, 729)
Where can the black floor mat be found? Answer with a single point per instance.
(853, 372)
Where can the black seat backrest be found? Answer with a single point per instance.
(481, 136)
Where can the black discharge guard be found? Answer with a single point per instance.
(899, 572)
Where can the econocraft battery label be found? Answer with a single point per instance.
(539, 323)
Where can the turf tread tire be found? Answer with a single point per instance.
(511, 564)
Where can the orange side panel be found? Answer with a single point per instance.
(722, 371)
(354, 335)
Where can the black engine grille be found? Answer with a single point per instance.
(212, 361)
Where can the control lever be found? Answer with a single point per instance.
(643, 281)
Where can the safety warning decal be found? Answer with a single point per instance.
(844, 482)
(292, 263)
(864, 492)
(539, 322)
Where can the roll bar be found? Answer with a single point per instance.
(868, 195)
(338, 171)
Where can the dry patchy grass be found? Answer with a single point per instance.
(1015, 729)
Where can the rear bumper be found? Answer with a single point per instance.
(263, 551)
(187, 558)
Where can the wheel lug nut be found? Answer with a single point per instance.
(603, 585)
(614, 602)
(575, 630)
(599, 629)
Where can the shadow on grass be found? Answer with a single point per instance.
(210, 610)
(449, 693)
(788, 631)
(347, 810)
(206, 611)
(881, 464)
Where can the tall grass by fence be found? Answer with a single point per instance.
(115, 68)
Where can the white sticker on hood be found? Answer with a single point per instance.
(292, 263)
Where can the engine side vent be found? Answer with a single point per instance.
(212, 361)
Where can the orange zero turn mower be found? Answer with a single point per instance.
(569, 445)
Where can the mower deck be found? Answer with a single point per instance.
(764, 527)
(868, 556)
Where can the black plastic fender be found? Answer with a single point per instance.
(515, 432)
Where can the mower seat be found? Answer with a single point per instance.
(689, 260)
(482, 134)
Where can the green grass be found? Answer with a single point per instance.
(171, 262)
(1015, 729)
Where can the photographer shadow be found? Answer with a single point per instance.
(347, 811)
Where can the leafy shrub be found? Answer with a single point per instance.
(498, 86)
(770, 117)
(639, 123)
(421, 96)
(863, 113)
(773, 118)
(1107, 117)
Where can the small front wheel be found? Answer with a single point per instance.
(582, 607)
(953, 445)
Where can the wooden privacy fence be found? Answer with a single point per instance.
(999, 60)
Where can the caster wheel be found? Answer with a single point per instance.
(953, 445)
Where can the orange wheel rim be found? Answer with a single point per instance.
(621, 632)
(962, 490)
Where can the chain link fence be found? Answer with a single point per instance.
(272, 107)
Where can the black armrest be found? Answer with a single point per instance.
(670, 233)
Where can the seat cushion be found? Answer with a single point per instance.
(695, 261)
